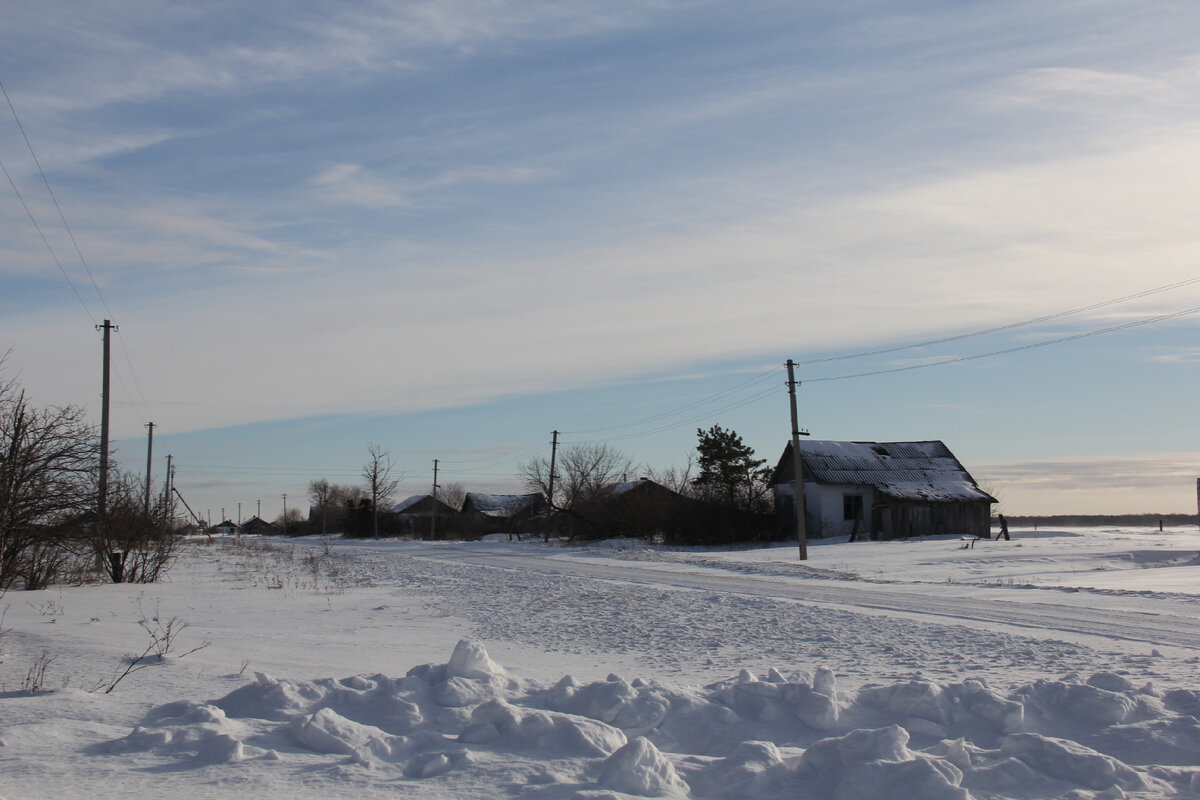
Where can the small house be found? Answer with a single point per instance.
(498, 512)
(415, 516)
(885, 490)
(224, 528)
(640, 508)
(257, 527)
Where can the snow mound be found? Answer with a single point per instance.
(770, 736)
(877, 765)
(639, 768)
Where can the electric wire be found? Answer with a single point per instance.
(50, 191)
(1019, 348)
(78, 251)
(1006, 327)
(46, 242)
(654, 418)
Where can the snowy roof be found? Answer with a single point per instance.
(400, 507)
(500, 505)
(621, 488)
(922, 471)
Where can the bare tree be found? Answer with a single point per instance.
(453, 495)
(319, 495)
(580, 472)
(48, 458)
(380, 484)
(292, 521)
(135, 546)
(677, 479)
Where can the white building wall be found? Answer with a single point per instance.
(825, 508)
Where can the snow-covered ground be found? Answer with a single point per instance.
(1062, 664)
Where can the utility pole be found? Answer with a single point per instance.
(284, 512)
(433, 523)
(797, 465)
(550, 492)
(553, 454)
(259, 512)
(167, 491)
(149, 463)
(102, 499)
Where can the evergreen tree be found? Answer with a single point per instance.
(728, 471)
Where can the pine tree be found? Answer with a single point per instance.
(728, 471)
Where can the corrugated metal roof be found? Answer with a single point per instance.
(920, 471)
(500, 506)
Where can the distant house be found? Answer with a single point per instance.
(257, 527)
(415, 516)
(495, 512)
(886, 490)
(642, 508)
(226, 528)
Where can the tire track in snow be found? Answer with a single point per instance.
(1156, 629)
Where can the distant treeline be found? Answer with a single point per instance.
(1101, 520)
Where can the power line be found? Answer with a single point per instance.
(1033, 346)
(46, 242)
(78, 251)
(1006, 327)
(695, 404)
(61, 216)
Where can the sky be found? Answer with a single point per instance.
(451, 228)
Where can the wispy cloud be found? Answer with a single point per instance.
(1099, 473)
(350, 184)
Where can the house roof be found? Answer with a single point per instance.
(407, 503)
(421, 504)
(920, 471)
(500, 506)
(643, 485)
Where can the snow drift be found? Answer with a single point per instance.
(795, 735)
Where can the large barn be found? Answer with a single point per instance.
(884, 490)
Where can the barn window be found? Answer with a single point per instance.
(852, 507)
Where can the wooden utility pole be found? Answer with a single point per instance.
(433, 522)
(553, 454)
(550, 489)
(102, 498)
(284, 514)
(167, 492)
(149, 463)
(797, 466)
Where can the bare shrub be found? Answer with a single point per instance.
(161, 643)
(133, 545)
(48, 458)
(35, 678)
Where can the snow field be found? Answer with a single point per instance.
(472, 671)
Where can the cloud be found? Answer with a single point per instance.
(350, 184)
(1189, 356)
(486, 174)
(1098, 473)
(1083, 87)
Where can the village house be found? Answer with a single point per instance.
(501, 512)
(257, 527)
(415, 516)
(884, 490)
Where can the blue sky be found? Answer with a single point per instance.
(449, 228)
